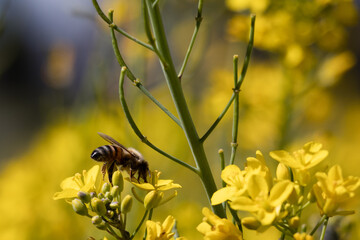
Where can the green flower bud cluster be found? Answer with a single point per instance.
(105, 208)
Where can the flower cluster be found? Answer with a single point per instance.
(90, 195)
(279, 201)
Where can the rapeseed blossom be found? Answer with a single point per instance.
(215, 228)
(158, 231)
(86, 182)
(302, 160)
(332, 189)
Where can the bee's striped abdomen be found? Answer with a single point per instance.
(105, 153)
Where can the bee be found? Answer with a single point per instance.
(117, 156)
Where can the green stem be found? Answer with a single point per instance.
(139, 226)
(239, 83)
(136, 82)
(318, 224)
(137, 130)
(108, 21)
(198, 20)
(180, 103)
(112, 232)
(222, 164)
(323, 231)
(234, 143)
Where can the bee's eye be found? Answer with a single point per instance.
(96, 155)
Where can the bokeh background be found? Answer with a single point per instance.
(58, 88)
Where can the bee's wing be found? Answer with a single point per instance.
(113, 141)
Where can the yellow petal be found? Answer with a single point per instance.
(144, 186)
(257, 187)
(280, 192)
(70, 183)
(229, 173)
(169, 186)
(168, 224)
(92, 174)
(204, 227)
(67, 193)
(285, 158)
(222, 195)
(335, 174)
(244, 203)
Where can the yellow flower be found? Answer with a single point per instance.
(236, 179)
(263, 202)
(302, 236)
(215, 228)
(301, 160)
(332, 189)
(236, 185)
(86, 182)
(155, 188)
(158, 231)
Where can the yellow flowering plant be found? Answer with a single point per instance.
(250, 199)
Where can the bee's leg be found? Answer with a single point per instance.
(103, 169)
(131, 174)
(111, 171)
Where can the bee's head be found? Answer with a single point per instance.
(96, 155)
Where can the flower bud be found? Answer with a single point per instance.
(153, 199)
(115, 191)
(106, 201)
(117, 180)
(79, 207)
(250, 223)
(100, 195)
(110, 213)
(98, 206)
(93, 194)
(108, 196)
(311, 196)
(126, 204)
(96, 219)
(282, 172)
(84, 197)
(294, 222)
(105, 188)
(114, 205)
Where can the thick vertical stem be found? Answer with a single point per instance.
(177, 94)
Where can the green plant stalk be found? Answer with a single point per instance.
(137, 130)
(234, 143)
(136, 82)
(323, 231)
(198, 20)
(239, 83)
(108, 21)
(180, 103)
(318, 224)
(139, 226)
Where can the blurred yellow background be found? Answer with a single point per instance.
(58, 88)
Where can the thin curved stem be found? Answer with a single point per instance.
(239, 83)
(198, 20)
(136, 129)
(234, 143)
(108, 21)
(136, 82)
(140, 224)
